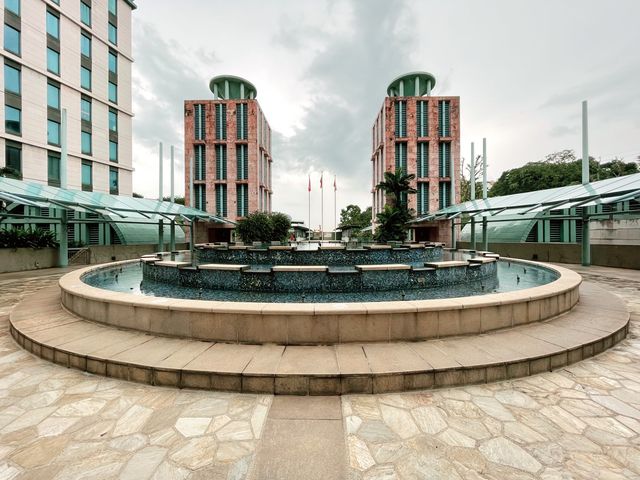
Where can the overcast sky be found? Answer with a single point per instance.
(321, 67)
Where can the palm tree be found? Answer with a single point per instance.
(397, 185)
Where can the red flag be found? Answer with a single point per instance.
(321, 179)
(309, 189)
(335, 187)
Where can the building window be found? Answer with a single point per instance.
(85, 78)
(113, 181)
(85, 45)
(53, 61)
(423, 198)
(401, 156)
(13, 159)
(11, 79)
(221, 200)
(200, 121)
(53, 25)
(11, 39)
(53, 132)
(241, 121)
(401, 118)
(113, 92)
(113, 121)
(201, 162)
(242, 200)
(113, 63)
(444, 127)
(85, 109)
(444, 194)
(13, 6)
(53, 169)
(221, 162)
(113, 151)
(85, 146)
(113, 33)
(423, 160)
(85, 13)
(242, 162)
(12, 120)
(221, 121)
(200, 197)
(53, 96)
(113, 7)
(423, 118)
(444, 154)
(87, 176)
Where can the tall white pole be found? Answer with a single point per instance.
(473, 173)
(172, 232)
(335, 209)
(585, 143)
(160, 179)
(171, 174)
(484, 168)
(321, 206)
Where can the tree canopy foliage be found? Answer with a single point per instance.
(558, 169)
(264, 227)
(353, 216)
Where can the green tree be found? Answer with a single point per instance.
(392, 221)
(9, 172)
(558, 169)
(178, 200)
(264, 227)
(353, 216)
(465, 183)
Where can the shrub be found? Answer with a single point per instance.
(264, 227)
(22, 238)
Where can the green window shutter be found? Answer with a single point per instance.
(422, 118)
(199, 121)
(221, 162)
(423, 198)
(444, 154)
(221, 121)
(401, 156)
(444, 118)
(444, 193)
(423, 159)
(242, 162)
(200, 162)
(241, 121)
(401, 118)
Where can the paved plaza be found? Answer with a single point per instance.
(581, 421)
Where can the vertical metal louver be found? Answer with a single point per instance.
(221, 162)
(242, 162)
(423, 160)
(221, 121)
(200, 121)
(401, 118)
(444, 122)
(423, 118)
(423, 198)
(242, 200)
(221, 200)
(241, 121)
(444, 164)
(401, 156)
(200, 159)
(444, 191)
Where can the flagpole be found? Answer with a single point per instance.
(335, 209)
(321, 209)
(309, 192)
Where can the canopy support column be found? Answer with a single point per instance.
(473, 233)
(63, 240)
(192, 242)
(586, 241)
(454, 244)
(485, 234)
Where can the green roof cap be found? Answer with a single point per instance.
(230, 87)
(412, 84)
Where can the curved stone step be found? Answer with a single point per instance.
(40, 325)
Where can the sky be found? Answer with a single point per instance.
(321, 67)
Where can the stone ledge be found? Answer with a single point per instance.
(383, 267)
(222, 266)
(46, 330)
(299, 268)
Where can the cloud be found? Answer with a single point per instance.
(563, 130)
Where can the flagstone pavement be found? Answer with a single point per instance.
(578, 422)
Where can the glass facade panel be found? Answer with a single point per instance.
(113, 181)
(85, 45)
(113, 7)
(53, 132)
(85, 13)
(11, 39)
(53, 26)
(12, 120)
(113, 151)
(13, 159)
(12, 6)
(113, 34)
(53, 61)
(86, 143)
(87, 175)
(53, 169)
(85, 78)
(113, 120)
(85, 109)
(11, 79)
(113, 62)
(113, 92)
(53, 96)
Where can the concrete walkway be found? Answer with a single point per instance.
(581, 421)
